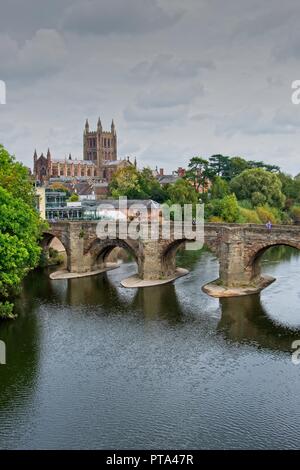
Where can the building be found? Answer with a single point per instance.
(100, 159)
(99, 147)
(110, 209)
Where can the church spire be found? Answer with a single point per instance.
(87, 126)
(113, 128)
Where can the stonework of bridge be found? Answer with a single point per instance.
(237, 247)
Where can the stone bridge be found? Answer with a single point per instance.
(237, 247)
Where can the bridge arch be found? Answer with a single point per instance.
(47, 239)
(99, 250)
(253, 261)
(168, 256)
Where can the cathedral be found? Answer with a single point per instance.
(100, 158)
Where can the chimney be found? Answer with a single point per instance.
(161, 172)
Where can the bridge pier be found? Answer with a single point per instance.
(239, 273)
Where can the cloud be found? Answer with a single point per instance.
(168, 66)
(117, 16)
(42, 55)
(164, 105)
(168, 97)
(154, 117)
(255, 122)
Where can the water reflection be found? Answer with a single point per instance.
(22, 338)
(94, 365)
(244, 319)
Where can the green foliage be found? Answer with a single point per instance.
(226, 209)
(50, 258)
(6, 311)
(249, 216)
(290, 187)
(135, 184)
(199, 173)
(14, 177)
(265, 214)
(295, 214)
(216, 219)
(229, 209)
(182, 192)
(20, 229)
(260, 186)
(19, 250)
(246, 204)
(73, 198)
(219, 188)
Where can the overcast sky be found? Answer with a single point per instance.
(180, 78)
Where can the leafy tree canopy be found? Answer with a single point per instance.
(20, 229)
(260, 186)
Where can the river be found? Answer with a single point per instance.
(93, 365)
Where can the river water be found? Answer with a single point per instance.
(93, 365)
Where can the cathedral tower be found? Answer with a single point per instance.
(100, 146)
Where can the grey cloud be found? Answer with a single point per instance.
(255, 122)
(168, 66)
(117, 16)
(168, 97)
(154, 117)
(42, 55)
(21, 19)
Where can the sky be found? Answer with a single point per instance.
(180, 78)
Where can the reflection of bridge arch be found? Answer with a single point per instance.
(244, 319)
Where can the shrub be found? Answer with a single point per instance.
(229, 208)
(216, 219)
(249, 216)
(295, 214)
(265, 215)
(6, 311)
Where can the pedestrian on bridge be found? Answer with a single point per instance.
(269, 225)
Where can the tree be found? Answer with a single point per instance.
(225, 209)
(219, 188)
(264, 166)
(126, 182)
(20, 229)
(259, 186)
(219, 165)
(151, 187)
(182, 192)
(135, 184)
(73, 198)
(229, 208)
(290, 187)
(198, 173)
(15, 178)
(236, 166)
